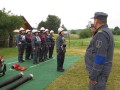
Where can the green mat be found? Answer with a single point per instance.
(44, 73)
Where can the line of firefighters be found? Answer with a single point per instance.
(37, 44)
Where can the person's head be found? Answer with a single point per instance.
(61, 31)
(42, 29)
(52, 32)
(92, 28)
(47, 31)
(22, 31)
(100, 18)
(35, 32)
(28, 31)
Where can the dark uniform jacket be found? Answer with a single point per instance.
(60, 44)
(99, 54)
(21, 39)
(36, 42)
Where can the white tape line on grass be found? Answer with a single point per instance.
(40, 63)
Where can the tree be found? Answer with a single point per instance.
(86, 33)
(116, 31)
(73, 31)
(42, 24)
(9, 23)
(53, 23)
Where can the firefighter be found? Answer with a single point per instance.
(43, 43)
(36, 45)
(28, 46)
(61, 49)
(21, 43)
(51, 49)
(48, 44)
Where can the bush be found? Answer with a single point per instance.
(86, 33)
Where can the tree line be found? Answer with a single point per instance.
(86, 33)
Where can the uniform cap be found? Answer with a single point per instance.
(101, 16)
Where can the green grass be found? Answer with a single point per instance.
(76, 78)
(8, 52)
(76, 42)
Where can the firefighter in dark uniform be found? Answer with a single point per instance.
(51, 49)
(21, 43)
(28, 46)
(48, 44)
(36, 45)
(99, 54)
(43, 44)
(61, 49)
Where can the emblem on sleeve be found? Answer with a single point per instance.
(98, 43)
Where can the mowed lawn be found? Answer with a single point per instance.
(76, 77)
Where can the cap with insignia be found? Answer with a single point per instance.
(101, 16)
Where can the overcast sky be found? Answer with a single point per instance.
(74, 14)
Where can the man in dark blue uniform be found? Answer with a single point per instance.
(99, 54)
(61, 49)
(36, 46)
(51, 49)
(48, 44)
(28, 45)
(21, 43)
(43, 44)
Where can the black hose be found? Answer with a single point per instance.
(12, 79)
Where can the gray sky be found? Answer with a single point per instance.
(74, 14)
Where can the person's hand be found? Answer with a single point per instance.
(94, 82)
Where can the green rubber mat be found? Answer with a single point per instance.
(44, 73)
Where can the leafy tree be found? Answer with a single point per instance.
(8, 23)
(86, 33)
(53, 23)
(42, 24)
(73, 32)
(116, 31)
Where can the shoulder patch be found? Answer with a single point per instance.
(98, 43)
(100, 30)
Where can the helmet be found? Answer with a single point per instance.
(42, 28)
(60, 30)
(28, 30)
(90, 24)
(46, 30)
(21, 29)
(34, 31)
(51, 31)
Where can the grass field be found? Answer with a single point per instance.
(76, 77)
